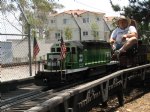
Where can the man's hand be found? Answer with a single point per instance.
(124, 38)
(112, 41)
(112, 44)
(113, 47)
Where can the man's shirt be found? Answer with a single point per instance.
(118, 33)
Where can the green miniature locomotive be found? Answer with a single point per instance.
(82, 59)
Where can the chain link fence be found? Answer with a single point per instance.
(15, 47)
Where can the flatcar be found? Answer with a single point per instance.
(138, 54)
(83, 59)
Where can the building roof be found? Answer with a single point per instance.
(76, 12)
(110, 18)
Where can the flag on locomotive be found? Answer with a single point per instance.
(63, 49)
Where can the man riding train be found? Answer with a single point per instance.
(124, 36)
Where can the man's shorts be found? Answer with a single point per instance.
(118, 46)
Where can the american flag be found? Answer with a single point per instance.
(63, 49)
(36, 48)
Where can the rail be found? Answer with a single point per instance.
(84, 97)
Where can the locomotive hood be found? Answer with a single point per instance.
(77, 43)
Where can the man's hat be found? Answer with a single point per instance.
(124, 18)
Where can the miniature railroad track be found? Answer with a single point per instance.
(12, 103)
(25, 101)
(8, 103)
(21, 94)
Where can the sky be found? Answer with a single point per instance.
(92, 5)
(11, 27)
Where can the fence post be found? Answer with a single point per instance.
(29, 39)
(29, 45)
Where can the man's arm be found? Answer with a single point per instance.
(133, 33)
(112, 41)
(112, 37)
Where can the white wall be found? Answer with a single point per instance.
(59, 26)
(6, 52)
(20, 50)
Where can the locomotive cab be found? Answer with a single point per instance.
(72, 60)
(74, 55)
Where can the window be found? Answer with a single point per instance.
(85, 33)
(53, 21)
(73, 50)
(65, 21)
(98, 19)
(96, 33)
(58, 49)
(85, 20)
(53, 50)
(68, 49)
(57, 35)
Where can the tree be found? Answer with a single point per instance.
(95, 30)
(37, 12)
(68, 33)
(48, 33)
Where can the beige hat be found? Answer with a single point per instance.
(124, 18)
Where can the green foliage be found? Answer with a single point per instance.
(36, 11)
(4, 7)
(42, 5)
(68, 33)
(115, 7)
(48, 33)
(95, 30)
(33, 33)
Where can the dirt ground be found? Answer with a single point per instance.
(137, 100)
(141, 104)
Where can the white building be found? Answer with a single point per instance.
(77, 25)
